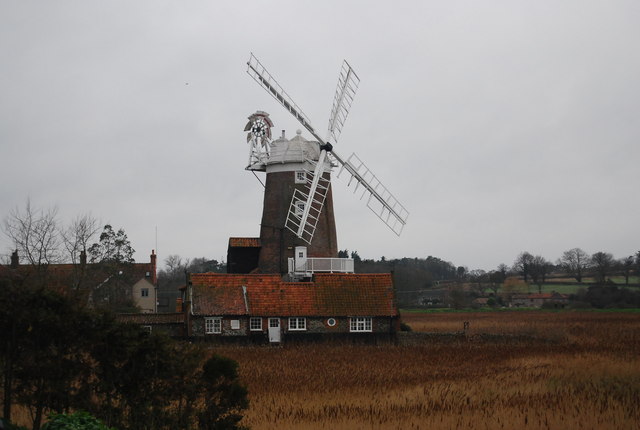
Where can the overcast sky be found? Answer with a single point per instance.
(502, 126)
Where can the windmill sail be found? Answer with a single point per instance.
(379, 200)
(345, 92)
(257, 71)
(306, 206)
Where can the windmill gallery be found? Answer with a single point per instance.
(288, 284)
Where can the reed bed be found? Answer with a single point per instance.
(539, 370)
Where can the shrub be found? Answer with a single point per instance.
(77, 421)
(405, 327)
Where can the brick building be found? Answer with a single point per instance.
(264, 308)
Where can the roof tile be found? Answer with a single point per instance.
(327, 295)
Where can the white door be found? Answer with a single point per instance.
(301, 258)
(274, 330)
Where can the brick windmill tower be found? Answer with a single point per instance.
(298, 220)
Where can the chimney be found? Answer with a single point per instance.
(154, 276)
(83, 257)
(15, 261)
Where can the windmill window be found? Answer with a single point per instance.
(299, 208)
(255, 324)
(212, 325)
(297, 323)
(359, 324)
(301, 177)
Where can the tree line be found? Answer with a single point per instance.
(414, 275)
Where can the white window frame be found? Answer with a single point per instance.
(301, 177)
(213, 325)
(144, 292)
(235, 324)
(300, 207)
(255, 324)
(297, 324)
(361, 324)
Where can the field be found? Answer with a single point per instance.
(527, 369)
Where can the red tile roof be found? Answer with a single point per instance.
(328, 295)
(244, 242)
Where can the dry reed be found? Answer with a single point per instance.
(513, 370)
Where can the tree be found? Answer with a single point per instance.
(539, 269)
(575, 262)
(226, 397)
(34, 233)
(77, 236)
(479, 280)
(43, 336)
(57, 357)
(626, 264)
(523, 264)
(602, 263)
(461, 272)
(356, 256)
(112, 258)
(113, 247)
(204, 265)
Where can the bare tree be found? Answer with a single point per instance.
(35, 234)
(78, 235)
(479, 280)
(603, 264)
(575, 262)
(523, 264)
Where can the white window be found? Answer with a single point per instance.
(235, 324)
(331, 322)
(297, 323)
(299, 208)
(144, 292)
(360, 324)
(212, 325)
(301, 177)
(255, 324)
(146, 328)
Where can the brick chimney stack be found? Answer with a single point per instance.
(15, 261)
(154, 276)
(83, 257)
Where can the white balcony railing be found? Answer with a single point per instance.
(311, 265)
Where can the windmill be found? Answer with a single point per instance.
(308, 202)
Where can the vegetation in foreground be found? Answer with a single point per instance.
(566, 370)
(57, 357)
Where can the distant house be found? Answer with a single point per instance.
(481, 301)
(92, 283)
(537, 300)
(264, 308)
(172, 324)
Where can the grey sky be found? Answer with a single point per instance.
(503, 126)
